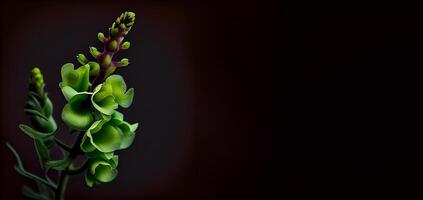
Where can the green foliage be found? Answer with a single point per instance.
(93, 94)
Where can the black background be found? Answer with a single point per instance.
(353, 102)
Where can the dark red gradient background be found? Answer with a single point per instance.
(202, 77)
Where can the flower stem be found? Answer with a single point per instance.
(64, 176)
(60, 192)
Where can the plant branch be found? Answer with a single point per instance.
(62, 145)
(20, 169)
(74, 171)
(64, 176)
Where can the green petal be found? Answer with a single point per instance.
(105, 173)
(114, 161)
(107, 139)
(103, 170)
(68, 92)
(89, 179)
(117, 115)
(117, 82)
(86, 145)
(76, 113)
(128, 134)
(113, 86)
(119, 88)
(107, 105)
(133, 127)
(78, 78)
(98, 154)
(127, 140)
(126, 99)
(102, 100)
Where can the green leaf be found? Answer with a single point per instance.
(20, 169)
(36, 113)
(48, 106)
(49, 143)
(33, 101)
(59, 164)
(62, 145)
(42, 152)
(33, 133)
(28, 192)
(45, 191)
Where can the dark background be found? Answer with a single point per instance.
(351, 96)
(202, 74)
(345, 79)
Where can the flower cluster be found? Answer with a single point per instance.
(93, 96)
(92, 105)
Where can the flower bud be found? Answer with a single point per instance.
(37, 81)
(94, 68)
(94, 52)
(125, 45)
(124, 23)
(124, 62)
(122, 26)
(82, 59)
(113, 45)
(106, 60)
(101, 37)
(114, 31)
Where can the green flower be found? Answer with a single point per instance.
(101, 170)
(75, 82)
(78, 79)
(108, 135)
(107, 96)
(77, 113)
